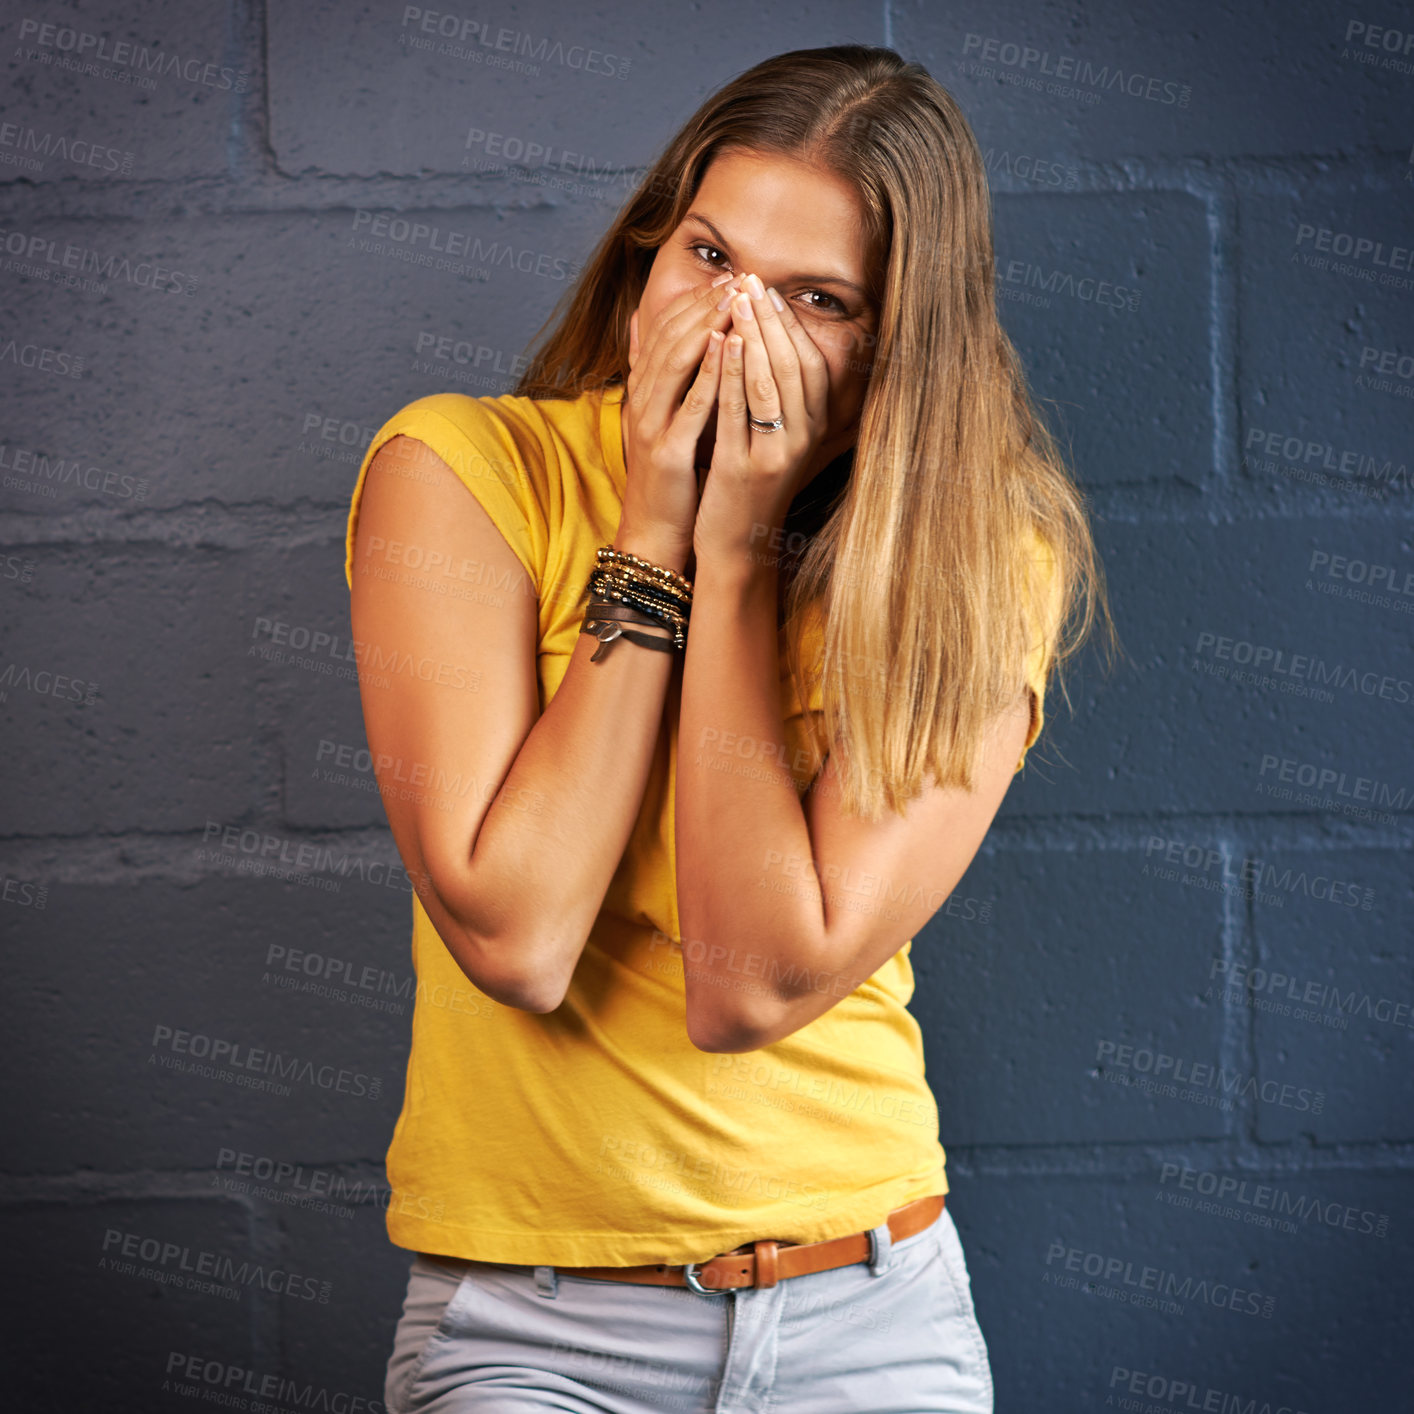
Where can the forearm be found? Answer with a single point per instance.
(585, 763)
(729, 823)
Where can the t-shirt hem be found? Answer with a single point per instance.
(616, 1249)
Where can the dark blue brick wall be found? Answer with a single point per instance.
(1204, 224)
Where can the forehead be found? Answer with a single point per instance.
(777, 209)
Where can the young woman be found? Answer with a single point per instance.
(688, 717)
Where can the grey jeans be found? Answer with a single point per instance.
(896, 1336)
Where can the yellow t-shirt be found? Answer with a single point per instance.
(598, 1135)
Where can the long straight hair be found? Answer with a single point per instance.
(950, 541)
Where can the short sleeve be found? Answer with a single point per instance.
(1042, 624)
(491, 457)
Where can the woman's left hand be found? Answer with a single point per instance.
(776, 371)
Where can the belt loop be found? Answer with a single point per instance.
(547, 1282)
(881, 1242)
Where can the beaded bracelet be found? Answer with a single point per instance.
(646, 593)
(653, 595)
(670, 600)
(606, 554)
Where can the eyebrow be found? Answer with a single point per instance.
(812, 279)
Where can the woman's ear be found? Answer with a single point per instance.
(632, 339)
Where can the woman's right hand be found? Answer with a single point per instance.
(665, 412)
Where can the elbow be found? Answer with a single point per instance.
(536, 993)
(512, 975)
(499, 962)
(728, 1029)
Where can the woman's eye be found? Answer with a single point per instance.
(834, 306)
(700, 247)
(826, 308)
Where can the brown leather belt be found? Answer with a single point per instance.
(762, 1263)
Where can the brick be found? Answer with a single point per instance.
(1341, 1025)
(196, 958)
(1106, 299)
(1262, 81)
(167, 739)
(1327, 378)
(137, 1322)
(1013, 1010)
(1159, 734)
(344, 1345)
(158, 107)
(1008, 1224)
(421, 91)
(274, 296)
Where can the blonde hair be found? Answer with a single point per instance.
(924, 567)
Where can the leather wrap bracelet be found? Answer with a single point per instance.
(605, 622)
(626, 589)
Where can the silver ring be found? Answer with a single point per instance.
(761, 425)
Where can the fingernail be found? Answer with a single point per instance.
(721, 280)
(744, 309)
(726, 299)
(753, 283)
(776, 300)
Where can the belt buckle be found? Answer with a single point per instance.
(689, 1275)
